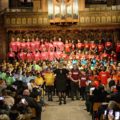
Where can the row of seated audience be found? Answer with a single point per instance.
(23, 84)
(90, 73)
(97, 99)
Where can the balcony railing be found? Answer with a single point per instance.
(2, 11)
(90, 8)
(22, 10)
(90, 16)
(102, 8)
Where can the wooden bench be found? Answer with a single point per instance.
(32, 111)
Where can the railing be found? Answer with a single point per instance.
(25, 17)
(90, 8)
(102, 8)
(22, 10)
(99, 17)
(2, 11)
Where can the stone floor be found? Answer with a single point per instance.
(73, 110)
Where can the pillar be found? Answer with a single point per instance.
(4, 4)
(0, 5)
(81, 5)
(44, 5)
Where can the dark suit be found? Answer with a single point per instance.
(33, 104)
(115, 97)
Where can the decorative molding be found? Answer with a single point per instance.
(18, 21)
(29, 21)
(13, 21)
(36, 19)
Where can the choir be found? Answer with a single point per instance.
(38, 49)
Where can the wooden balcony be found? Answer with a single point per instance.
(92, 17)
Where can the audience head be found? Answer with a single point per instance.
(113, 105)
(75, 66)
(26, 92)
(118, 88)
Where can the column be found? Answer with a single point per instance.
(81, 5)
(0, 5)
(40, 4)
(4, 4)
(44, 5)
(36, 5)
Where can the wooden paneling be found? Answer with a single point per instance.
(103, 17)
(2, 38)
(25, 19)
(86, 18)
(36, 5)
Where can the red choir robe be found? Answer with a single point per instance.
(58, 54)
(100, 47)
(117, 47)
(51, 55)
(23, 46)
(22, 56)
(32, 45)
(11, 54)
(29, 57)
(44, 56)
(86, 45)
(79, 45)
(67, 47)
(28, 46)
(37, 44)
(50, 47)
(42, 47)
(60, 46)
(18, 45)
(36, 56)
(13, 46)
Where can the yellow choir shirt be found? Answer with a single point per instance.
(49, 79)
